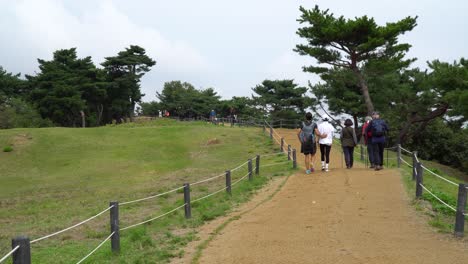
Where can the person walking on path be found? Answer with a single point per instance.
(307, 136)
(367, 137)
(348, 142)
(379, 129)
(325, 128)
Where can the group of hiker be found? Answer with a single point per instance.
(310, 135)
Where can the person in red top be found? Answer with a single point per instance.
(367, 141)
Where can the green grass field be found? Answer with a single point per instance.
(56, 177)
(441, 217)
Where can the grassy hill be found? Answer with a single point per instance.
(55, 177)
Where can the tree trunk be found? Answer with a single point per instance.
(83, 119)
(364, 91)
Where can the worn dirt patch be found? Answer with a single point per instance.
(21, 140)
(213, 141)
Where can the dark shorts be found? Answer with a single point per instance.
(308, 148)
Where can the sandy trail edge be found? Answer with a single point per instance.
(344, 216)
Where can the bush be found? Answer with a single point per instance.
(7, 149)
(18, 113)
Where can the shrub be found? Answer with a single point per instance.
(7, 149)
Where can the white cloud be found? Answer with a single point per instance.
(45, 26)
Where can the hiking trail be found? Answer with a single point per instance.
(341, 216)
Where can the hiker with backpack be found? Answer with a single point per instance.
(367, 139)
(348, 142)
(307, 136)
(379, 130)
(325, 143)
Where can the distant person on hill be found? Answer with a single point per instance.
(160, 114)
(379, 130)
(348, 142)
(213, 116)
(367, 139)
(307, 136)
(325, 128)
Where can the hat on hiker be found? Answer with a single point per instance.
(375, 113)
(368, 118)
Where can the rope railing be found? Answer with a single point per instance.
(406, 162)
(208, 195)
(407, 151)
(71, 227)
(207, 180)
(152, 196)
(9, 254)
(438, 176)
(152, 219)
(274, 164)
(95, 249)
(440, 200)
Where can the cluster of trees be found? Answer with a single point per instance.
(364, 68)
(274, 99)
(71, 91)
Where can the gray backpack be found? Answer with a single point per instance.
(307, 134)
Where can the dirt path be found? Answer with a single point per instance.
(343, 216)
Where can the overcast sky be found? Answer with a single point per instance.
(230, 46)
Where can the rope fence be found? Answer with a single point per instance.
(21, 245)
(94, 250)
(71, 227)
(417, 171)
(154, 196)
(9, 253)
(152, 219)
(440, 200)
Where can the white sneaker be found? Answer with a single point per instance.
(326, 170)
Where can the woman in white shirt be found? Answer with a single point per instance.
(325, 143)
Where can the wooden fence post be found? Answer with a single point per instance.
(271, 132)
(289, 152)
(228, 182)
(419, 180)
(188, 208)
(460, 214)
(282, 145)
(294, 159)
(23, 254)
(114, 226)
(399, 155)
(257, 165)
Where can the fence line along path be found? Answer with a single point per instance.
(21, 246)
(343, 216)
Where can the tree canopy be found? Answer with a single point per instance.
(350, 43)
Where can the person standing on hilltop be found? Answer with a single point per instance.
(307, 136)
(367, 139)
(348, 142)
(379, 130)
(325, 128)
